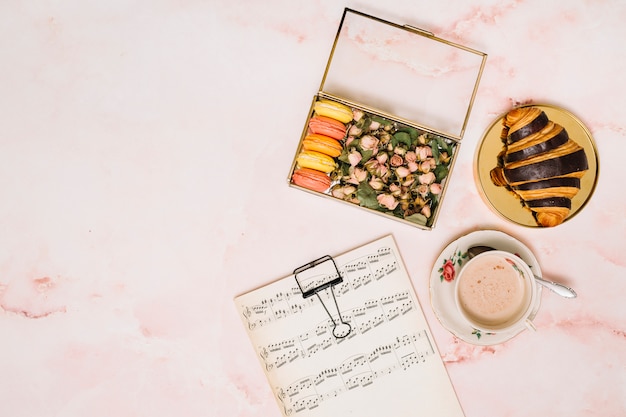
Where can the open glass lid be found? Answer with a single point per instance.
(403, 72)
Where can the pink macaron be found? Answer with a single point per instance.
(311, 179)
(326, 126)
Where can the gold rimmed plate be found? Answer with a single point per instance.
(504, 202)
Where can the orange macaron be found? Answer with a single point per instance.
(311, 179)
(322, 144)
(326, 126)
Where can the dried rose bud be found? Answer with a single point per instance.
(426, 211)
(357, 114)
(396, 160)
(369, 142)
(374, 125)
(424, 167)
(410, 156)
(378, 169)
(427, 178)
(395, 190)
(443, 157)
(413, 166)
(401, 171)
(422, 189)
(423, 152)
(435, 188)
(355, 130)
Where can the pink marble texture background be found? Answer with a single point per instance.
(144, 150)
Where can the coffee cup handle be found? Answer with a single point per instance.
(530, 325)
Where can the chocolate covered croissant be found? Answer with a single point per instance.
(540, 164)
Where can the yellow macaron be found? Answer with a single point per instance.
(316, 160)
(333, 110)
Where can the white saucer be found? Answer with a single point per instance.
(442, 291)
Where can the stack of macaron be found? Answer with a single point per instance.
(327, 127)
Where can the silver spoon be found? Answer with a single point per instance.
(555, 287)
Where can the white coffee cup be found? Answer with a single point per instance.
(495, 291)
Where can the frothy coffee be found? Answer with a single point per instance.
(491, 291)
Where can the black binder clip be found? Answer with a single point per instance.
(320, 276)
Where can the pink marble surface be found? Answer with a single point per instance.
(144, 149)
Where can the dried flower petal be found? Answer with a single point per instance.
(354, 157)
(395, 190)
(387, 200)
(376, 183)
(357, 175)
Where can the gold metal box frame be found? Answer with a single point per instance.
(340, 84)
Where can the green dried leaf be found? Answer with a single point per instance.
(441, 172)
(413, 133)
(417, 218)
(366, 155)
(401, 137)
(435, 149)
(367, 196)
(443, 145)
(381, 120)
(344, 155)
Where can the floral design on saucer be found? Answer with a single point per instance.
(446, 269)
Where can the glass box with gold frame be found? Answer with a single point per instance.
(384, 130)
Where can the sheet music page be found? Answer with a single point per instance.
(388, 365)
